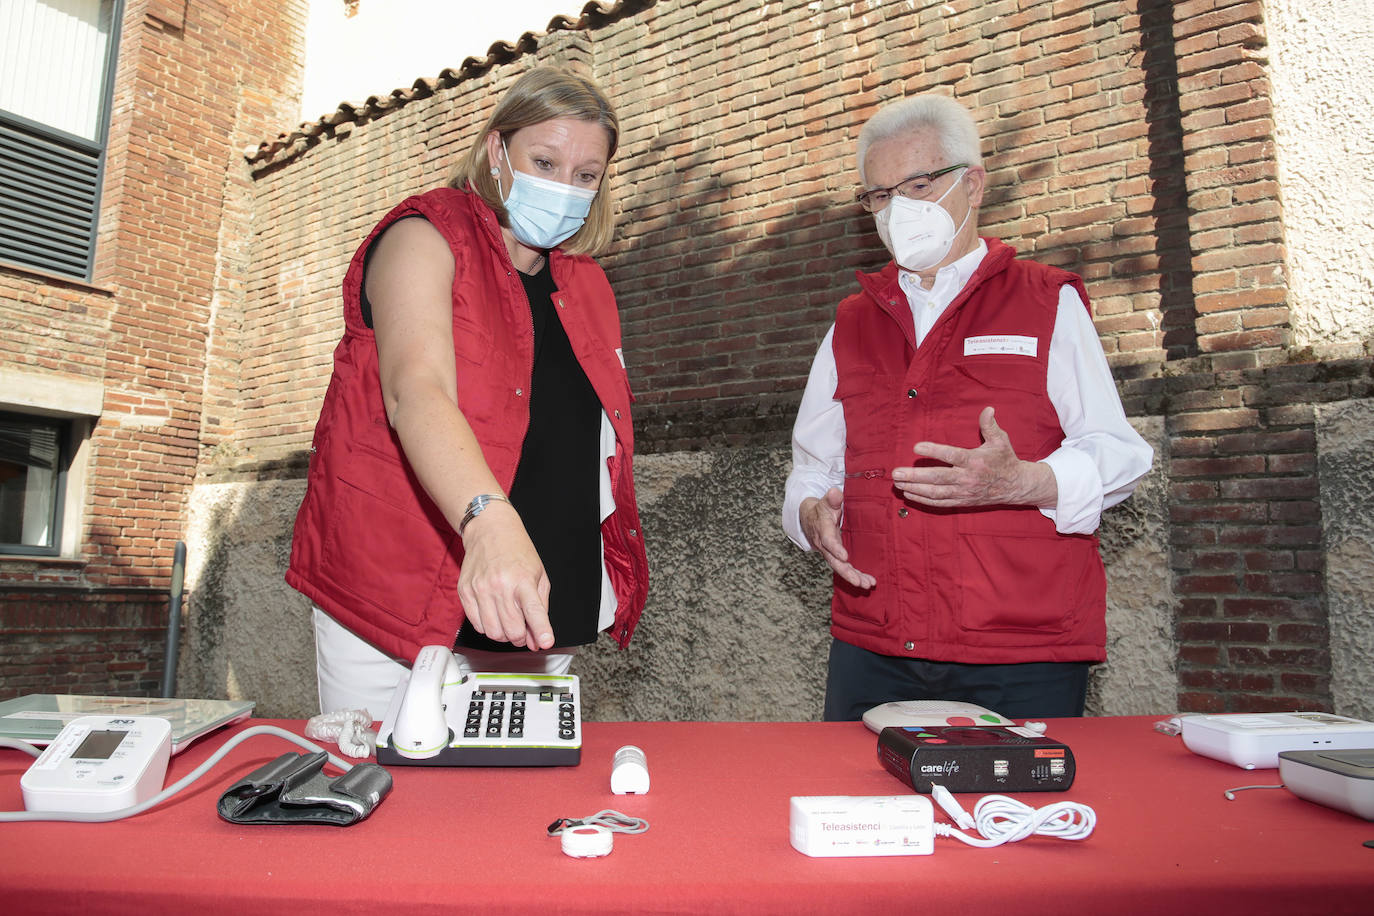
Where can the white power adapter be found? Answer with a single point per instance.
(853, 825)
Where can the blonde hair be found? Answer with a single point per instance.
(543, 94)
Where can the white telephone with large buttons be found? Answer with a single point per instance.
(441, 717)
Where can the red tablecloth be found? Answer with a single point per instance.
(474, 840)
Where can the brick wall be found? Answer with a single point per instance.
(1247, 528)
(736, 177)
(742, 169)
(195, 84)
(103, 642)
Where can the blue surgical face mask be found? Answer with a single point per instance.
(544, 213)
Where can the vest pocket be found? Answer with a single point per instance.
(471, 343)
(1024, 584)
(1016, 373)
(381, 547)
(870, 418)
(867, 539)
(856, 381)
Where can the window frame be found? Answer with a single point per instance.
(65, 428)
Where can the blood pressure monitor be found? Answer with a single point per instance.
(99, 764)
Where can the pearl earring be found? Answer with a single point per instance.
(495, 172)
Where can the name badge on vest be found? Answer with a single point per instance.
(1000, 344)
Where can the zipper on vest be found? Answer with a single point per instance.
(867, 475)
(529, 389)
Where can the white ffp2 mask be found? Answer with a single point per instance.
(918, 233)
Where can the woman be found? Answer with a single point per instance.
(471, 480)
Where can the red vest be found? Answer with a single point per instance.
(990, 585)
(370, 548)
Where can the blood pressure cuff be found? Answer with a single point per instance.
(293, 789)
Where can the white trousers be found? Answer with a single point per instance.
(354, 674)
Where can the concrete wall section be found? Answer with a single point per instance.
(1345, 443)
(1321, 65)
(248, 633)
(1139, 676)
(738, 622)
(737, 625)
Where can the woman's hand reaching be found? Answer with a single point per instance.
(502, 584)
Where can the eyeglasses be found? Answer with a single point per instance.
(915, 186)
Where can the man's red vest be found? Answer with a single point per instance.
(987, 585)
(370, 548)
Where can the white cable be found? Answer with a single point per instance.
(612, 820)
(1005, 820)
(1231, 793)
(21, 746)
(952, 807)
(102, 816)
(350, 729)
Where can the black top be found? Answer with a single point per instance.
(556, 489)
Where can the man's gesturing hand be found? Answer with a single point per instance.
(989, 475)
(820, 522)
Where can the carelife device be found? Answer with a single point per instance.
(1255, 740)
(976, 758)
(98, 764)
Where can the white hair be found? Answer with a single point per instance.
(955, 133)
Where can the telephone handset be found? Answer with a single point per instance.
(440, 716)
(905, 713)
(420, 729)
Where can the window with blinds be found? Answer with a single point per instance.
(56, 66)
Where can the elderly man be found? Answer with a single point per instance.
(959, 436)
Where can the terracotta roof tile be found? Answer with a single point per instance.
(288, 144)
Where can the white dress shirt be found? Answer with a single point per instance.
(1098, 464)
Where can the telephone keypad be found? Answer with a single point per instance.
(489, 717)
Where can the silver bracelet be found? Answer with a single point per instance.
(479, 502)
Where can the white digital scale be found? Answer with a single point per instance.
(37, 718)
(1255, 740)
(98, 764)
(1341, 779)
(441, 717)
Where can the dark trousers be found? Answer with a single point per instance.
(859, 680)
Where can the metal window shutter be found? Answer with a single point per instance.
(49, 193)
